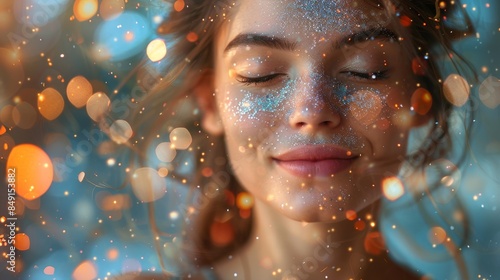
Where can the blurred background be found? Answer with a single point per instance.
(67, 64)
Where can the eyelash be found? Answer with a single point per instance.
(378, 75)
(257, 80)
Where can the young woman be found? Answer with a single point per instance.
(305, 107)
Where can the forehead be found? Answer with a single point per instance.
(301, 19)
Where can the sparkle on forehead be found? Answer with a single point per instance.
(323, 15)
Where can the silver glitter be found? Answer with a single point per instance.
(323, 15)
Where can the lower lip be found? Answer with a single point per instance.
(320, 168)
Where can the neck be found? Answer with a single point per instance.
(290, 249)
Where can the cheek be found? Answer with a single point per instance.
(384, 117)
(249, 109)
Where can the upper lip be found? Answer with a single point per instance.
(315, 153)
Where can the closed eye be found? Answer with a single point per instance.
(257, 80)
(377, 75)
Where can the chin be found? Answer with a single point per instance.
(319, 208)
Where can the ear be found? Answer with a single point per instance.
(205, 97)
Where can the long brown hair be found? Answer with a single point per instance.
(193, 25)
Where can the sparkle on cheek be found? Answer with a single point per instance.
(270, 101)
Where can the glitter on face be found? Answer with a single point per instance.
(364, 103)
(323, 15)
(251, 106)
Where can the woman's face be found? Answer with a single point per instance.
(312, 93)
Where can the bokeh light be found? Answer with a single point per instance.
(12, 75)
(22, 241)
(6, 145)
(50, 103)
(421, 101)
(121, 37)
(456, 90)
(165, 151)
(221, 233)
(244, 201)
(179, 5)
(49, 270)
(419, 66)
(34, 170)
(6, 115)
(120, 131)
(192, 37)
(156, 50)
(85, 271)
(147, 185)
(437, 235)
(79, 90)
(38, 13)
(351, 215)
(81, 176)
(85, 9)
(24, 115)
(111, 8)
(392, 188)
(181, 138)
(163, 171)
(489, 92)
(374, 243)
(97, 106)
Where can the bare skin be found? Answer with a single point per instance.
(306, 108)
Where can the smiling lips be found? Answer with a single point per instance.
(315, 161)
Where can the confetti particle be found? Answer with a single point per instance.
(79, 90)
(156, 50)
(392, 188)
(34, 170)
(456, 90)
(181, 138)
(50, 103)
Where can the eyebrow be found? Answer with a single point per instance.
(260, 40)
(247, 39)
(367, 35)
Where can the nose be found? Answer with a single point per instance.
(314, 106)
